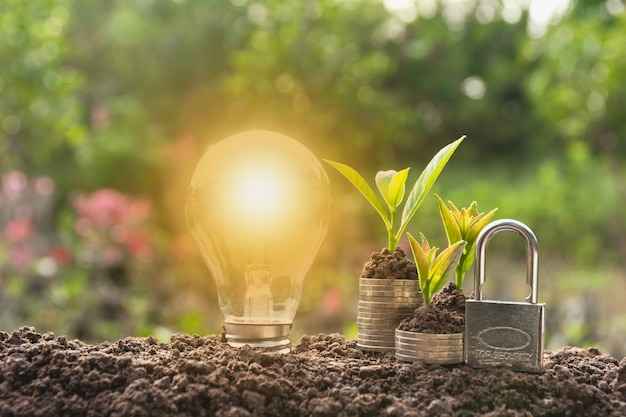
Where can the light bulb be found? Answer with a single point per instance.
(258, 209)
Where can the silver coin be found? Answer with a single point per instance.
(374, 339)
(428, 336)
(374, 329)
(390, 298)
(367, 348)
(374, 342)
(430, 355)
(412, 301)
(373, 335)
(440, 361)
(391, 314)
(421, 342)
(429, 352)
(386, 325)
(366, 337)
(389, 282)
(392, 288)
(428, 346)
(386, 305)
(380, 309)
(369, 318)
(410, 286)
(397, 311)
(401, 291)
(380, 319)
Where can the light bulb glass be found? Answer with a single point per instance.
(258, 209)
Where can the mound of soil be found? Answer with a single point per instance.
(444, 314)
(388, 265)
(323, 376)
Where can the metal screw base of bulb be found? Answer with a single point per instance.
(270, 337)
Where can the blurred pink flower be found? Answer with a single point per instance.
(112, 223)
(61, 255)
(21, 257)
(44, 185)
(100, 116)
(83, 227)
(18, 230)
(137, 245)
(105, 207)
(13, 184)
(332, 301)
(112, 255)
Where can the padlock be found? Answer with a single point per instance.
(508, 334)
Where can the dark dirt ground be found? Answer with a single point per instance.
(323, 376)
(444, 314)
(389, 265)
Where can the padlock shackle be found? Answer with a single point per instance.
(532, 254)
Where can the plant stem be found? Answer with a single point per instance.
(427, 296)
(459, 278)
(392, 241)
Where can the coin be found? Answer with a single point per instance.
(390, 292)
(381, 325)
(389, 282)
(375, 334)
(430, 355)
(390, 315)
(413, 301)
(429, 336)
(378, 310)
(387, 305)
(374, 348)
(441, 361)
(431, 347)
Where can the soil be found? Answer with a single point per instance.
(388, 265)
(323, 376)
(444, 314)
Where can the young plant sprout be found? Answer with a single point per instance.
(391, 185)
(464, 224)
(433, 270)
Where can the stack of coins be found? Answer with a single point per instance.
(443, 349)
(383, 304)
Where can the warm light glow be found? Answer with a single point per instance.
(259, 193)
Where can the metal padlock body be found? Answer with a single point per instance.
(508, 334)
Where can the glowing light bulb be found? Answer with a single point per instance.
(258, 210)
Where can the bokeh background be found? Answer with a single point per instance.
(107, 105)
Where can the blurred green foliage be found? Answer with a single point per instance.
(125, 94)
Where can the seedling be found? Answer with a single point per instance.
(391, 186)
(464, 224)
(434, 270)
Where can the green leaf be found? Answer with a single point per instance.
(453, 232)
(359, 182)
(444, 265)
(421, 260)
(467, 259)
(478, 226)
(383, 180)
(397, 186)
(425, 182)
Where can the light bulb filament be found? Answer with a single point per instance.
(258, 302)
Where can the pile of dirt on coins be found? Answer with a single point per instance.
(388, 265)
(444, 314)
(323, 376)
